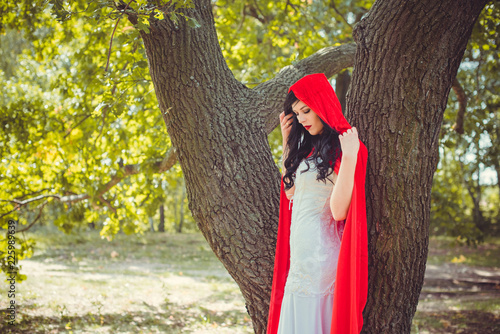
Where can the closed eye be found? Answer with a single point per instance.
(305, 112)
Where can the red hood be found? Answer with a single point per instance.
(315, 91)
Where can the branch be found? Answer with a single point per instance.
(113, 34)
(33, 199)
(332, 5)
(462, 105)
(254, 11)
(77, 124)
(36, 219)
(9, 212)
(31, 194)
(158, 167)
(243, 17)
(329, 60)
(108, 204)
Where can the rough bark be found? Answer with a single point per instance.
(342, 83)
(222, 149)
(219, 130)
(407, 57)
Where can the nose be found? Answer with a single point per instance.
(300, 118)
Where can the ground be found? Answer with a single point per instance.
(172, 283)
(461, 292)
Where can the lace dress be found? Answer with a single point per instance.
(314, 249)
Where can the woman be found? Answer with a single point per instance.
(321, 269)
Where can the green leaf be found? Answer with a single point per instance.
(142, 26)
(193, 23)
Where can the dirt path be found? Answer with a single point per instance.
(101, 288)
(459, 298)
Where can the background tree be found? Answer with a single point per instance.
(465, 196)
(218, 127)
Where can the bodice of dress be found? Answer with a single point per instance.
(314, 236)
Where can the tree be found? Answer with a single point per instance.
(397, 98)
(465, 196)
(403, 70)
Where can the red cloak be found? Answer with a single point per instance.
(351, 285)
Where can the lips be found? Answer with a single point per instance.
(307, 127)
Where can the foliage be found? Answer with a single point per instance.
(68, 126)
(259, 38)
(143, 283)
(466, 189)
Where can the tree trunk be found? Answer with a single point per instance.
(404, 69)
(151, 224)
(476, 192)
(231, 179)
(408, 54)
(181, 211)
(161, 225)
(494, 151)
(219, 129)
(342, 82)
(175, 211)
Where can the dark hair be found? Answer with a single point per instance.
(300, 143)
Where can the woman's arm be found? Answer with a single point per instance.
(286, 124)
(291, 191)
(340, 199)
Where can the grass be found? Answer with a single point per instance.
(449, 250)
(171, 251)
(470, 321)
(173, 283)
(155, 283)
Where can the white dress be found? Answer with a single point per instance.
(314, 249)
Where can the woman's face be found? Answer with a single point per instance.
(308, 118)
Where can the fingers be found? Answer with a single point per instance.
(349, 142)
(286, 121)
(351, 131)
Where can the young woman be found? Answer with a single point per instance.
(321, 268)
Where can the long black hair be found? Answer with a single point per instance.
(300, 143)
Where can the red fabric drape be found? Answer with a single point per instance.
(351, 285)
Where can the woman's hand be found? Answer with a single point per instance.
(340, 199)
(349, 142)
(286, 125)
